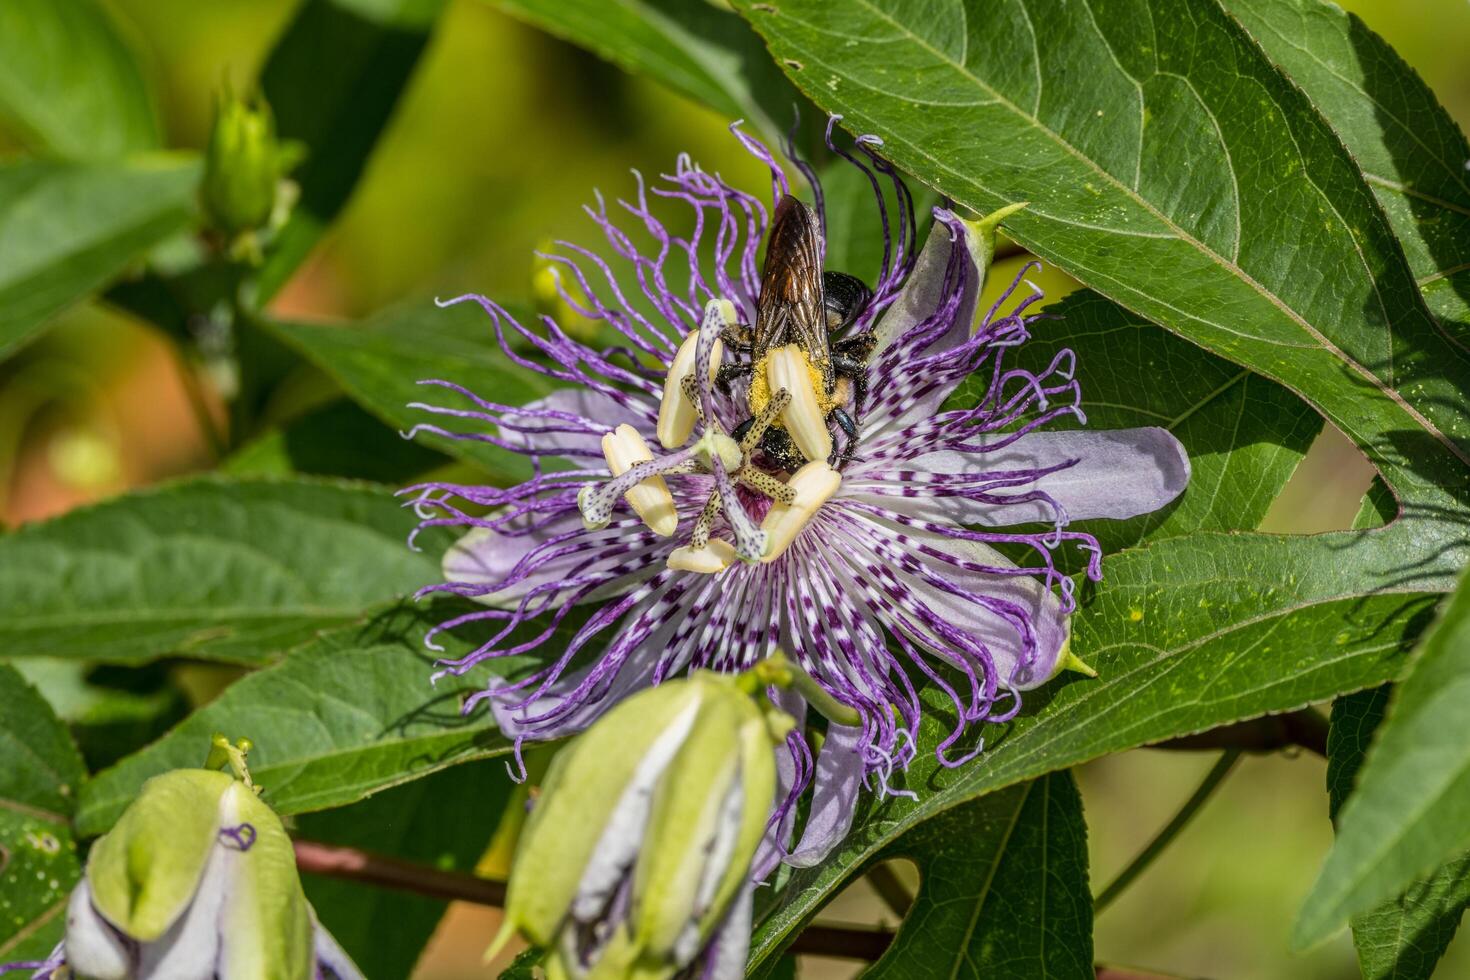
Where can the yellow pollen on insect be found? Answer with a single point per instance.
(805, 416)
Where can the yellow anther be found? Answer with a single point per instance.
(814, 483)
(676, 413)
(805, 418)
(650, 499)
(714, 557)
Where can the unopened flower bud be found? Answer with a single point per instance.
(644, 832)
(197, 879)
(244, 166)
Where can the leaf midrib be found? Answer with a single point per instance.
(1179, 233)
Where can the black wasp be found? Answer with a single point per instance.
(802, 305)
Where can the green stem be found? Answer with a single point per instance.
(1155, 847)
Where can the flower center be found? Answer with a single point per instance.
(786, 389)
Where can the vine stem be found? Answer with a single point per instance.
(1305, 729)
(1155, 847)
(355, 864)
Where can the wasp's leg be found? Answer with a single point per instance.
(844, 298)
(846, 423)
(845, 366)
(729, 372)
(857, 348)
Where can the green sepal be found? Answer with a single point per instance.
(585, 782)
(144, 871)
(266, 929)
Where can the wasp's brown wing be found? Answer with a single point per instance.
(789, 309)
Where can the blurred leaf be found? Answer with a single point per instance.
(38, 785)
(1003, 889)
(1158, 680)
(445, 821)
(210, 568)
(695, 48)
(380, 362)
(523, 967)
(1245, 435)
(1251, 233)
(338, 439)
(333, 80)
(110, 711)
(66, 229)
(1410, 150)
(1407, 815)
(68, 82)
(344, 716)
(1403, 939)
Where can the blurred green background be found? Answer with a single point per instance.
(499, 140)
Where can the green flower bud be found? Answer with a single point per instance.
(644, 832)
(244, 167)
(197, 879)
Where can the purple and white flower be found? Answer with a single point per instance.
(868, 572)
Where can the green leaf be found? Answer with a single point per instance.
(38, 787)
(338, 439)
(1188, 180)
(1003, 889)
(66, 229)
(109, 710)
(1162, 672)
(381, 361)
(696, 49)
(1407, 815)
(445, 821)
(523, 967)
(333, 80)
(70, 84)
(346, 715)
(1410, 150)
(209, 568)
(1404, 938)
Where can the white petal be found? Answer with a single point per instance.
(1040, 606)
(622, 838)
(485, 556)
(331, 958)
(597, 413)
(1117, 474)
(191, 947)
(924, 290)
(93, 947)
(836, 784)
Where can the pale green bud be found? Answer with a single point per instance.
(645, 830)
(197, 879)
(244, 166)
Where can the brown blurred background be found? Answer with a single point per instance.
(497, 143)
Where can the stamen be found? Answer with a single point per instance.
(677, 412)
(814, 484)
(805, 418)
(636, 477)
(714, 557)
